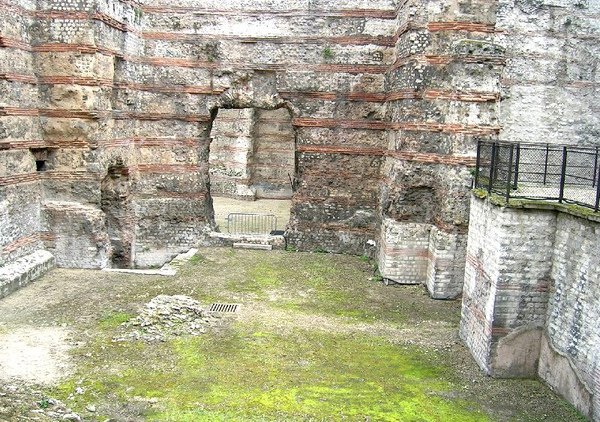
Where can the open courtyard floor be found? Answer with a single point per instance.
(316, 337)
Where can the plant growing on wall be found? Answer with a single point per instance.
(327, 53)
(139, 14)
(211, 50)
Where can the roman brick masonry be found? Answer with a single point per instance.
(119, 119)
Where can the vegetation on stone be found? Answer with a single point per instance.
(315, 340)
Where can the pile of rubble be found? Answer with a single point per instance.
(166, 317)
(24, 403)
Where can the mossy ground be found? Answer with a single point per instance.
(317, 339)
(248, 373)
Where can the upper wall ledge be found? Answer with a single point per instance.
(573, 209)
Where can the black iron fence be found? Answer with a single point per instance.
(560, 173)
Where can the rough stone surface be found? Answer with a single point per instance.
(404, 252)
(165, 317)
(530, 299)
(24, 270)
(252, 154)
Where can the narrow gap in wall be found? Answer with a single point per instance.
(252, 167)
(116, 204)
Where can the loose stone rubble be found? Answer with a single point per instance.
(33, 405)
(166, 317)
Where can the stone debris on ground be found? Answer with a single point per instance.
(166, 317)
(21, 403)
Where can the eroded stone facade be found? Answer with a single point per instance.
(108, 108)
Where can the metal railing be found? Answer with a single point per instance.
(568, 174)
(247, 223)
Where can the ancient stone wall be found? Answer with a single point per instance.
(20, 186)
(570, 354)
(231, 149)
(317, 60)
(550, 83)
(252, 154)
(530, 299)
(387, 101)
(441, 98)
(274, 155)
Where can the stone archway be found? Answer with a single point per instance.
(252, 150)
(252, 163)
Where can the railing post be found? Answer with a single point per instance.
(517, 161)
(595, 168)
(563, 174)
(597, 206)
(546, 163)
(492, 168)
(509, 175)
(475, 182)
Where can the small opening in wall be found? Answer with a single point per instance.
(42, 157)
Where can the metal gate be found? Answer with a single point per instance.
(246, 223)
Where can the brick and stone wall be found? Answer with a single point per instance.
(252, 154)
(20, 133)
(274, 155)
(231, 149)
(550, 82)
(530, 299)
(441, 97)
(105, 83)
(570, 356)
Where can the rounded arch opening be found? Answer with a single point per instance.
(252, 165)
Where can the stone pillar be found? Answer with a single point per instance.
(231, 149)
(506, 288)
(445, 267)
(403, 251)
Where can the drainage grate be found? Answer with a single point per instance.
(229, 308)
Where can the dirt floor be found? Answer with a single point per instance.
(280, 208)
(317, 337)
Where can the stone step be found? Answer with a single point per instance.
(265, 242)
(257, 246)
(24, 270)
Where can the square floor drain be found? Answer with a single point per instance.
(225, 308)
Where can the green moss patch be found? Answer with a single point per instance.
(114, 319)
(249, 374)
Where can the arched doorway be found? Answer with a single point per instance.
(252, 163)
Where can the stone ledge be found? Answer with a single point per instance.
(169, 269)
(24, 270)
(538, 204)
(257, 246)
(228, 240)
